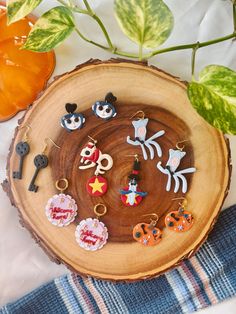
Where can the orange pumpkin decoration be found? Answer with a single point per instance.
(179, 220)
(23, 74)
(147, 234)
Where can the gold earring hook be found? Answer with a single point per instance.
(153, 221)
(92, 139)
(46, 144)
(138, 112)
(184, 203)
(25, 138)
(100, 214)
(66, 184)
(181, 147)
(136, 156)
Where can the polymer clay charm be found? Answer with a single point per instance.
(93, 157)
(175, 156)
(91, 234)
(61, 209)
(22, 149)
(147, 234)
(180, 220)
(72, 120)
(105, 109)
(131, 195)
(140, 127)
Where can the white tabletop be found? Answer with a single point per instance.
(23, 264)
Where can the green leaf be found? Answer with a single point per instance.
(17, 9)
(146, 22)
(214, 97)
(50, 30)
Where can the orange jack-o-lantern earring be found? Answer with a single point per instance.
(148, 234)
(179, 220)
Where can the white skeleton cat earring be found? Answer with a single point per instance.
(140, 137)
(175, 156)
(93, 157)
(105, 109)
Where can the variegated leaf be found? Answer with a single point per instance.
(214, 97)
(50, 30)
(146, 22)
(17, 9)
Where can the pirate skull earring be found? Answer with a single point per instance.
(91, 234)
(93, 157)
(180, 220)
(175, 156)
(140, 127)
(131, 195)
(72, 121)
(148, 234)
(61, 209)
(105, 109)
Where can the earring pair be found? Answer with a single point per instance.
(103, 109)
(40, 161)
(180, 221)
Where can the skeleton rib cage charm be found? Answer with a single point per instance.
(140, 127)
(175, 156)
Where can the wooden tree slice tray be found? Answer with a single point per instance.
(164, 100)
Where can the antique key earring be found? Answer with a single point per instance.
(148, 234)
(61, 209)
(22, 149)
(91, 234)
(180, 220)
(175, 156)
(40, 162)
(131, 195)
(140, 131)
(93, 157)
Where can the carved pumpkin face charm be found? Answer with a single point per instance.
(179, 220)
(147, 234)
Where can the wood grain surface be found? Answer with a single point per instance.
(163, 99)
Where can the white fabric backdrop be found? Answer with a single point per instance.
(23, 265)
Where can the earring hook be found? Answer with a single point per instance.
(181, 147)
(184, 203)
(153, 222)
(25, 138)
(46, 144)
(138, 112)
(136, 156)
(92, 139)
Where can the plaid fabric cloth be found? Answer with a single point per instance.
(207, 278)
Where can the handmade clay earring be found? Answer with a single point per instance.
(131, 195)
(61, 209)
(148, 234)
(22, 149)
(175, 156)
(72, 120)
(179, 220)
(105, 109)
(40, 162)
(93, 157)
(140, 127)
(91, 234)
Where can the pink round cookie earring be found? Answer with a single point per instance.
(61, 209)
(91, 234)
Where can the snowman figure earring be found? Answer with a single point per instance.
(140, 127)
(175, 156)
(72, 120)
(105, 109)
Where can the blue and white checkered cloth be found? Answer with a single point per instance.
(207, 278)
